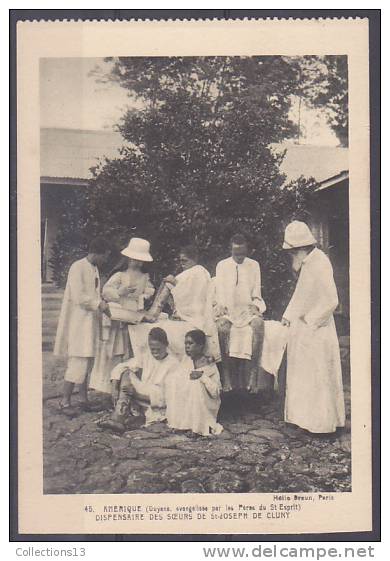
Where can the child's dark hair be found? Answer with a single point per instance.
(98, 245)
(198, 336)
(159, 335)
(238, 239)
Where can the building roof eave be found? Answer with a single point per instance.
(333, 181)
(68, 181)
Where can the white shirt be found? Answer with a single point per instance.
(190, 295)
(78, 324)
(238, 285)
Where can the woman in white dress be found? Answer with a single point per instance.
(314, 387)
(129, 289)
(193, 391)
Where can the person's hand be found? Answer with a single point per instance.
(285, 322)
(103, 307)
(255, 310)
(126, 290)
(170, 279)
(196, 374)
(115, 392)
(150, 317)
(175, 316)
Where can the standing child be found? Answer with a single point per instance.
(79, 324)
(193, 398)
(129, 289)
(142, 382)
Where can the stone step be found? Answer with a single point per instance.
(48, 338)
(50, 312)
(48, 287)
(49, 305)
(49, 329)
(52, 296)
(48, 345)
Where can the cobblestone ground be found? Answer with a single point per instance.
(257, 452)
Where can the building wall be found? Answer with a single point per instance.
(54, 199)
(330, 225)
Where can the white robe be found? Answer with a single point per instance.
(237, 286)
(190, 295)
(153, 378)
(194, 404)
(193, 306)
(79, 323)
(314, 388)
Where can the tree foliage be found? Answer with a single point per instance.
(324, 84)
(199, 164)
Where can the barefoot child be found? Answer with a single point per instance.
(136, 382)
(193, 397)
(78, 326)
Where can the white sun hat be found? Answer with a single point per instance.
(298, 234)
(138, 249)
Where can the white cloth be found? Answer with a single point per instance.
(240, 343)
(274, 345)
(193, 305)
(153, 378)
(78, 328)
(194, 404)
(104, 363)
(314, 388)
(238, 286)
(190, 296)
(77, 369)
(134, 279)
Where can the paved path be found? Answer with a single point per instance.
(257, 452)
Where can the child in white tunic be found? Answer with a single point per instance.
(142, 381)
(193, 397)
(79, 323)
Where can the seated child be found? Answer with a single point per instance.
(142, 382)
(193, 394)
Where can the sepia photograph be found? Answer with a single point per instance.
(195, 274)
(194, 278)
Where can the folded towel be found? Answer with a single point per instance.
(241, 342)
(275, 341)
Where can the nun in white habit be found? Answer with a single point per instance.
(314, 388)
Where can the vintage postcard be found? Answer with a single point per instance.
(194, 335)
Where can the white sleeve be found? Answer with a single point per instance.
(220, 285)
(110, 289)
(256, 291)
(327, 301)
(149, 288)
(211, 382)
(83, 295)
